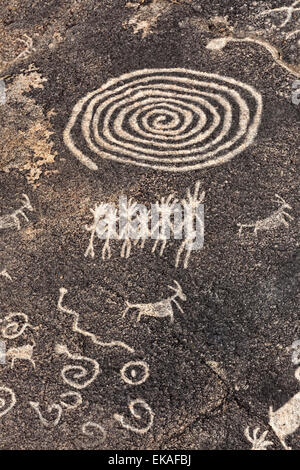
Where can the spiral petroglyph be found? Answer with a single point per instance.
(165, 119)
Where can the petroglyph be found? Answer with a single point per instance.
(6, 404)
(78, 371)
(167, 219)
(76, 328)
(76, 400)
(94, 430)
(22, 353)
(218, 44)
(16, 324)
(140, 403)
(286, 420)
(11, 221)
(161, 309)
(135, 372)
(275, 220)
(258, 442)
(55, 407)
(288, 10)
(196, 223)
(166, 119)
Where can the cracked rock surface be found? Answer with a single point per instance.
(85, 372)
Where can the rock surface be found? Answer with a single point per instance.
(227, 358)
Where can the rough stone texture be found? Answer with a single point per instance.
(224, 361)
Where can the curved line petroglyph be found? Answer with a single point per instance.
(91, 424)
(3, 406)
(132, 379)
(75, 327)
(14, 328)
(79, 371)
(135, 414)
(219, 43)
(36, 406)
(77, 400)
(289, 10)
(166, 119)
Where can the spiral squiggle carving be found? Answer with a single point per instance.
(4, 406)
(165, 119)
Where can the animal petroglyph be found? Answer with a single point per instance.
(219, 44)
(161, 309)
(16, 324)
(79, 372)
(23, 353)
(135, 372)
(76, 328)
(12, 220)
(165, 119)
(137, 415)
(76, 400)
(55, 407)
(167, 219)
(258, 442)
(7, 403)
(92, 429)
(275, 220)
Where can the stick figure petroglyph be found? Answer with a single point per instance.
(159, 309)
(275, 220)
(165, 227)
(79, 372)
(75, 327)
(193, 224)
(12, 220)
(105, 219)
(258, 443)
(36, 406)
(132, 405)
